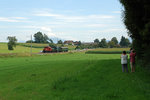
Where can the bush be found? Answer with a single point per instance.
(10, 47)
(104, 52)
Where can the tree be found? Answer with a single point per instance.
(103, 43)
(12, 42)
(111, 44)
(137, 20)
(29, 41)
(51, 41)
(79, 43)
(114, 39)
(124, 42)
(38, 37)
(60, 42)
(96, 41)
(45, 38)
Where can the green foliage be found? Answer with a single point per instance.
(51, 41)
(60, 42)
(40, 38)
(124, 42)
(111, 44)
(96, 41)
(11, 42)
(45, 38)
(137, 20)
(114, 39)
(104, 52)
(10, 47)
(29, 41)
(103, 43)
(79, 43)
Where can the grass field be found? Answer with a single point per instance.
(17, 49)
(25, 48)
(72, 76)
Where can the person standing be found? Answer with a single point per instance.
(124, 61)
(132, 60)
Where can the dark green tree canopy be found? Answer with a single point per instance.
(96, 41)
(40, 38)
(103, 43)
(114, 39)
(111, 44)
(60, 42)
(136, 17)
(12, 41)
(124, 42)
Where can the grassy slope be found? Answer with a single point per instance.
(18, 49)
(23, 49)
(70, 77)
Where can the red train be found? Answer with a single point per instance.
(54, 49)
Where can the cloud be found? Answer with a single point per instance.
(109, 30)
(69, 18)
(48, 31)
(100, 16)
(46, 14)
(96, 25)
(19, 18)
(3, 19)
(13, 19)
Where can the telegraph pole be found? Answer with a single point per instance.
(31, 46)
(57, 44)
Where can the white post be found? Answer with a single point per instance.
(31, 45)
(57, 44)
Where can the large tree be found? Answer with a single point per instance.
(111, 44)
(11, 42)
(96, 41)
(103, 43)
(136, 17)
(40, 38)
(124, 42)
(45, 38)
(114, 39)
(60, 42)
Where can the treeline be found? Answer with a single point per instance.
(137, 21)
(124, 42)
(113, 43)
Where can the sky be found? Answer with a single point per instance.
(78, 20)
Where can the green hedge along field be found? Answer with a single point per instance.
(105, 52)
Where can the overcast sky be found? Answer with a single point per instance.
(82, 20)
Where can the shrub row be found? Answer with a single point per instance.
(104, 52)
(32, 46)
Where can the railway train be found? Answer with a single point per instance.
(49, 49)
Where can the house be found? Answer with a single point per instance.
(69, 42)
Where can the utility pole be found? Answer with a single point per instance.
(31, 46)
(57, 44)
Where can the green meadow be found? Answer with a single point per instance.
(71, 76)
(25, 48)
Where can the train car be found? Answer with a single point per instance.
(47, 49)
(64, 49)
